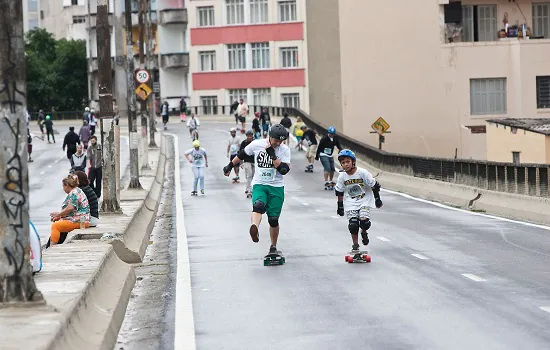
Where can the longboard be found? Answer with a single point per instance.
(358, 256)
(274, 259)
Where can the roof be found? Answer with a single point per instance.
(538, 125)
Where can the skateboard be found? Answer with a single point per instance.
(249, 195)
(358, 256)
(194, 193)
(274, 259)
(236, 181)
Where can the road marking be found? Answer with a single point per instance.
(306, 204)
(318, 210)
(49, 166)
(57, 161)
(42, 172)
(335, 217)
(545, 308)
(420, 256)
(185, 324)
(473, 277)
(384, 239)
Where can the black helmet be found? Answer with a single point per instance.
(279, 132)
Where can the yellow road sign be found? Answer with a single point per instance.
(380, 125)
(143, 91)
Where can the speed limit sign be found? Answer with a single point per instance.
(142, 76)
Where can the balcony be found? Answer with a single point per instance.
(135, 19)
(173, 16)
(175, 60)
(93, 21)
(154, 59)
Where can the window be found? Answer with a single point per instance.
(543, 91)
(236, 56)
(515, 158)
(541, 20)
(74, 2)
(33, 23)
(33, 5)
(488, 96)
(79, 19)
(207, 61)
(205, 16)
(258, 11)
(209, 105)
(234, 11)
(287, 11)
(291, 100)
(289, 57)
(237, 94)
(260, 55)
(485, 19)
(262, 97)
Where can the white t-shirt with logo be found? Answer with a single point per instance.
(198, 155)
(234, 144)
(357, 189)
(265, 173)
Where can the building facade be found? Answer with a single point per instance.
(434, 70)
(31, 14)
(250, 49)
(65, 19)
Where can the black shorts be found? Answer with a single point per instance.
(242, 119)
(165, 118)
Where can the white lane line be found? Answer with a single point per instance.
(474, 277)
(466, 211)
(42, 172)
(335, 217)
(185, 323)
(304, 203)
(420, 256)
(57, 161)
(49, 166)
(384, 239)
(318, 210)
(545, 308)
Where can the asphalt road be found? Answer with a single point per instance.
(50, 166)
(440, 278)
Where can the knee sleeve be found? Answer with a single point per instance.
(273, 221)
(258, 207)
(364, 224)
(353, 226)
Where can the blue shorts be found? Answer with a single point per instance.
(328, 164)
(265, 127)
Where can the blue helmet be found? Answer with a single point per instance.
(331, 130)
(347, 153)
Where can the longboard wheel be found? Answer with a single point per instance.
(367, 258)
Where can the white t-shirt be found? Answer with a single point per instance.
(234, 144)
(193, 123)
(357, 189)
(198, 155)
(242, 110)
(265, 173)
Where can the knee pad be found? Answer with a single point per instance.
(273, 221)
(364, 224)
(353, 226)
(258, 207)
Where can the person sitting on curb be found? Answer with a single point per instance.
(74, 214)
(84, 185)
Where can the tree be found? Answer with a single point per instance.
(56, 77)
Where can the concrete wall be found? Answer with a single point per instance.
(324, 65)
(501, 142)
(547, 149)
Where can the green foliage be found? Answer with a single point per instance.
(56, 72)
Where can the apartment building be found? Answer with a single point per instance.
(250, 49)
(31, 14)
(434, 70)
(65, 19)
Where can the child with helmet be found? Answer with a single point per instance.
(199, 160)
(357, 191)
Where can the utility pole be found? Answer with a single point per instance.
(131, 87)
(110, 202)
(143, 7)
(150, 65)
(16, 280)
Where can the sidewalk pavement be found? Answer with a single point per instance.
(85, 283)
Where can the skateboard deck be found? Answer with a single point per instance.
(358, 256)
(274, 259)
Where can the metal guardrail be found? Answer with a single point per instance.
(526, 179)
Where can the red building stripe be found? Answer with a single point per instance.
(247, 33)
(249, 79)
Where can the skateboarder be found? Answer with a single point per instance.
(357, 192)
(248, 163)
(197, 156)
(272, 161)
(233, 144)
(324, 153)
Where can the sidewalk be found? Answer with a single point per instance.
(85, 282)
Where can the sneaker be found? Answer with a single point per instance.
(272, 250)
(202, 192)
(365, 238)
(355, 247)
(254, 234)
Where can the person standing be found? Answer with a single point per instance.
(233, 110)
(183, 109)
(248, 163)
(242, 112)
(199, 160)
(48, 123)
(232, 149)
(70, 142)
(78, 160)
(95, 172)
(93, 121)
(325, 154)
(164, 110)
(85, 133)
(310, 139)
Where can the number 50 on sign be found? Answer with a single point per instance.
(142, 76)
